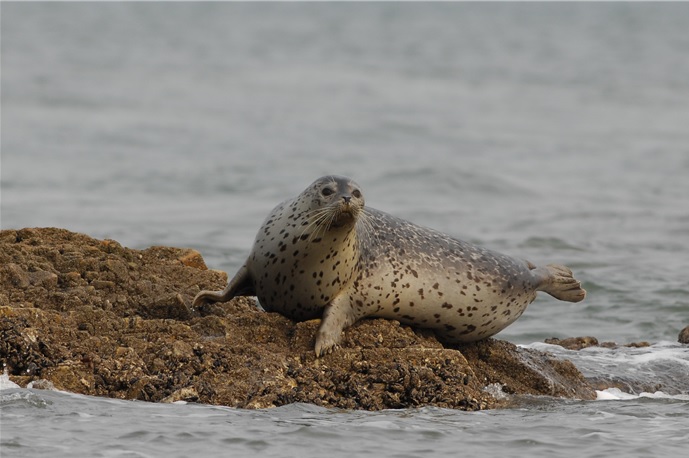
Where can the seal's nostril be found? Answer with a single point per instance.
(347, 199)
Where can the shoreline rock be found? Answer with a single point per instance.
(683, 336)
(92, 317)
(579, 343)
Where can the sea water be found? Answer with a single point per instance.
(553, 132)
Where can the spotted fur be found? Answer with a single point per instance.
(323, 254)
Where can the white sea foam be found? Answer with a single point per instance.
(661, 351)
(495, 390)
(6, 383)
(661, 369)
(615, 394)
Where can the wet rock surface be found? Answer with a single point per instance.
(90, 316)
(683, 336)
(644, 375)
(579, 343)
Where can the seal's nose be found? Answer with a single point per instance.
(347, 199)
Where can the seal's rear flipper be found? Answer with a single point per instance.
(240, 285)
(559, 282)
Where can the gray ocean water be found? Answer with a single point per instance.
(553, 132)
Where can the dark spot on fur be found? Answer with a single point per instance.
(469, 329)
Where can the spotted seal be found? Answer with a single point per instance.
(323, 254)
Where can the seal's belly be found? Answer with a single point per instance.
(459, 312)
(427, 279)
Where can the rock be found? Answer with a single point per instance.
(41, 384)
(168, 306)
(523, 371)
(579, 343)
(183, 394)
(641, 344)
(16, 275)
(574, 343)
(193, 258)
(96, 318)
(684, 336)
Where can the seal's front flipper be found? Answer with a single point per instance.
(336, 317)
(559, 282)
(240, 285)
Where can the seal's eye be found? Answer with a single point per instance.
(327, 192)
(356, 193)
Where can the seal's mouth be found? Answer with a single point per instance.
(338, 216)
(343, 216)
(344, 213)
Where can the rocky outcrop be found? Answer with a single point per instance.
(92, 317)
(579, 343)
(683, 337)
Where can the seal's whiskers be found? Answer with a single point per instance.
(315, 221)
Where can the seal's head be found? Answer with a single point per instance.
(336, 202)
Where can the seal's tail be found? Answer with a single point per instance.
(559, 282)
